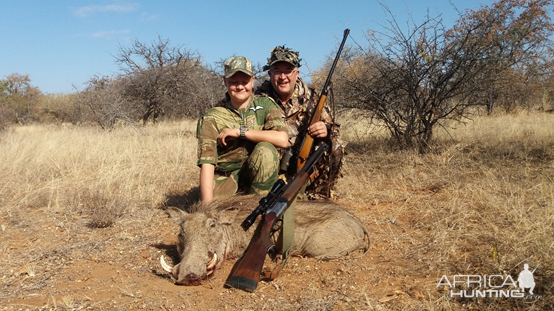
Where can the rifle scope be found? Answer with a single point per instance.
(263, 204)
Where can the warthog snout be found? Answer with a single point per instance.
(191, 279)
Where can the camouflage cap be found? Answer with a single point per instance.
(283, 54)
(236, 64)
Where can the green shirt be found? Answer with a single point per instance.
(261, 114)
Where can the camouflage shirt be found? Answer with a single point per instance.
(298, 108)
(261, 114)
(298, 114)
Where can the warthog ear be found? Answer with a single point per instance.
(175, 214)
(227, 216)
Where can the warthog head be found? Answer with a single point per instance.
(203, 243)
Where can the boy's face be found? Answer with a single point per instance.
(239, 86)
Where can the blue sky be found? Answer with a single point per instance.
(63, 43)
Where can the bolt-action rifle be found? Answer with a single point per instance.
(308, 141)
(246, 273)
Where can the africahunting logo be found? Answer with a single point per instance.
(492, 286)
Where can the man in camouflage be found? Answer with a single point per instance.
(298, 102)
(238, 139)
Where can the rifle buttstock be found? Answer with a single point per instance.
(241, 282)
(246, 274)
(248, 270)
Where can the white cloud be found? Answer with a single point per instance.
(119, 7)
(149, 17)
(109, 34)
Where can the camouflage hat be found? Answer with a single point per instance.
(236, 64)
(283, 54)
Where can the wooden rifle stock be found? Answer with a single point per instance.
(246, 273)
(308, 141)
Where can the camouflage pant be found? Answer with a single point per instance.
(257, 175)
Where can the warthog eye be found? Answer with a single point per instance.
(211, 223)
(181, 236)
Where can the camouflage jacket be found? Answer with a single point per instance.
(298, 114)
(261, 114)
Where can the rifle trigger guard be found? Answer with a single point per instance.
(277, 226)
(272, 252)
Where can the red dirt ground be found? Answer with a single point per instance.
(55, 261)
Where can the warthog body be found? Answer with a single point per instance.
(211, 234)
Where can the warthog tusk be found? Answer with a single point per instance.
(212, 262)
(165, 266)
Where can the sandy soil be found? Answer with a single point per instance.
(57, 261)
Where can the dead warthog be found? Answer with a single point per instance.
(210, 234)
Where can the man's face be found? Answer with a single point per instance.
(283, 77)
(239, 86)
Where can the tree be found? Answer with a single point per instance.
(63, 108)
(5, 111)
(104, 96)
(166, 80)
(18, 99)
(417, 79)
(512, 36)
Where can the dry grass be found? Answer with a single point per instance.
(64, 168)
(482, 202)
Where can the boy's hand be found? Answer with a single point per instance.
(227, 134)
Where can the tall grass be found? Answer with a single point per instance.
(87, 169)
(481, 202)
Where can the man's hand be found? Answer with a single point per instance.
(227, 134)
(318, 130)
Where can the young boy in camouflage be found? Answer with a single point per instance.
(237, 139)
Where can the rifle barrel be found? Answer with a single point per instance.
(307, 140)
(328, 80)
